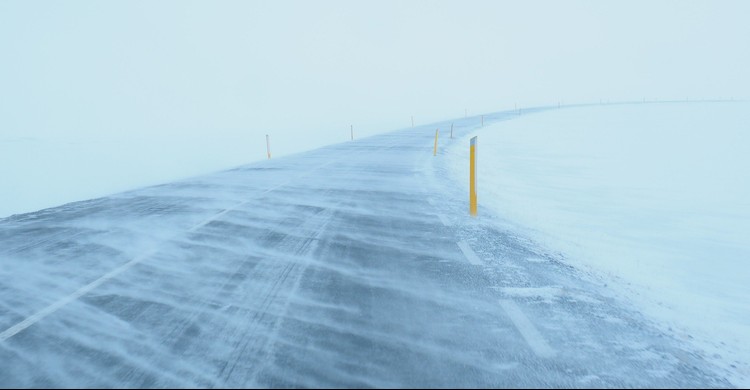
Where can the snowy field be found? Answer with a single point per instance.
(48, 171)
(654, 198)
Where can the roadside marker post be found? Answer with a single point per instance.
(482, 120)
(473, 177)
(351, 128)
(412, 121)
(451, 130)
(434, 150)
(268, 147)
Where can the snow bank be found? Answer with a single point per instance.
(653, 197)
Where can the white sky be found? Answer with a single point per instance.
(304, 71)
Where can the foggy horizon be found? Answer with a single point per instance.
(306, 71)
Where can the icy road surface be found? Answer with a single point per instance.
(352, 265)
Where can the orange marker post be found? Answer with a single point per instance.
(434, 150)
(473, 177)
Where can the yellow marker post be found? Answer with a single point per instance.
(434, 151)
(473, 177)
(268, 147)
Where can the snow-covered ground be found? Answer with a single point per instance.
(654, 198)
(650, 197)
(47, 171)
(352, 265)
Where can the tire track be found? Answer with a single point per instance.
(252, 346)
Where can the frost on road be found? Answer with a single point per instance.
(351, 265)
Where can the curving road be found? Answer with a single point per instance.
(354, 265)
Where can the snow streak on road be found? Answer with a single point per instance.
(351, 265)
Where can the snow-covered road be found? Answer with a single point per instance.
(353, 265)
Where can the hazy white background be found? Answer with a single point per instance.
(98, 97)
